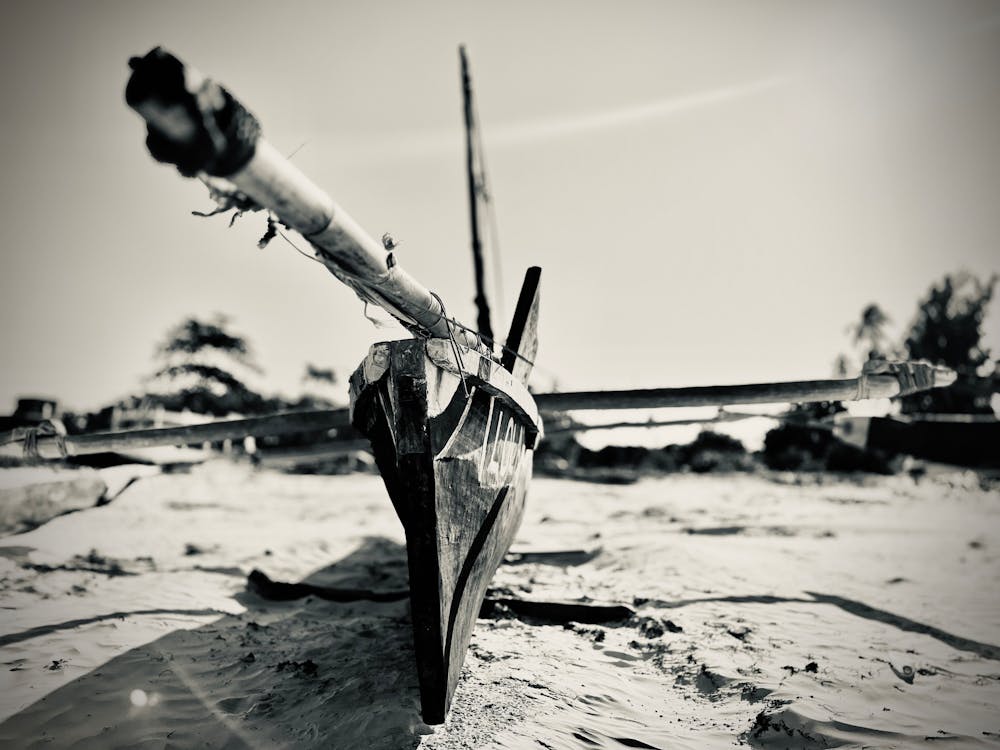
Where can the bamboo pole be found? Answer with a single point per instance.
(51, 446)
(197, 125)
(717, 419)
(851, 389)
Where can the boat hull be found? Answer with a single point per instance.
(455, 451)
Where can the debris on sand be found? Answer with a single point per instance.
(655, 627)
(739, 633)
(301, 672)
(305, 668)
(92, 562)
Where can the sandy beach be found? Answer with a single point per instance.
(774, 612)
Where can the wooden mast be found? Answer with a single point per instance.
(482, 304)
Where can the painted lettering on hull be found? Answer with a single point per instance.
(503, 446)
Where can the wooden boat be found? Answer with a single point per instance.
(451, 423)
(453, 433)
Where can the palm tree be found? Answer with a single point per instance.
(871, 330)
(197, 363)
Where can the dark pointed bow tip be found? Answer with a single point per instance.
(157, 74)
(193, 123)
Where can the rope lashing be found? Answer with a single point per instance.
(912, 376)
(46, 428)
(454, 344)
(488, 341)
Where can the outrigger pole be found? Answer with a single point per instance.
(881, 381)
(196, 125)
(46, 443)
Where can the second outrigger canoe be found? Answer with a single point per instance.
(451, 422)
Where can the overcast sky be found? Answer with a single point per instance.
(713, 189)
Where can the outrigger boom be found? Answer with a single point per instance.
(198, 126)
(50, 446)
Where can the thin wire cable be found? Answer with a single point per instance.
(454, 346)
(491, 342)
(303, 253)
(487, 339)
(297, 149)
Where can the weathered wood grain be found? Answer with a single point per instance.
(457, 469)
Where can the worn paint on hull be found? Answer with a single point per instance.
(457, 470)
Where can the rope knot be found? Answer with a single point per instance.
(912, 377)
(48, 428)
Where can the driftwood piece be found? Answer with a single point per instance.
(277, 591)
(557, 613)
(563, 558)
(543, 612)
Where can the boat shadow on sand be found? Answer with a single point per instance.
(303, 673)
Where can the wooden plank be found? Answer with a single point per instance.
(279, 591)
(558, 613)
(548, 612)
(523, 335)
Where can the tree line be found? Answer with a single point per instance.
(203, 366)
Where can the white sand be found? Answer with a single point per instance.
(891, 590)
